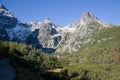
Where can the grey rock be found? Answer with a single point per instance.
(2, 7)
(7, 19)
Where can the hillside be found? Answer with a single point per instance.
(103, 48)
(27, 63)
(97, 60)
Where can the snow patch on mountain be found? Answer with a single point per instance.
(18, 32)
(66, 29)
(4, 11)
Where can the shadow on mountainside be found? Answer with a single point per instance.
(48, 50)
(33, 40)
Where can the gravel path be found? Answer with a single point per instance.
(7, 72)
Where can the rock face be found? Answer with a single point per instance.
(84, 20)
(35, 33)
(7, 72)
(46, 31)
(47, 35)
(7, 20)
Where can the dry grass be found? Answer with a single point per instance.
(57, 70)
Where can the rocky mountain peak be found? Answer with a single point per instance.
(4, 11)
(47, 20)
(3, 7)
(87, 17)
(7, 19)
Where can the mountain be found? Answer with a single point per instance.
(7, 20)
(48, 36)
(35, 33)
(82, 32)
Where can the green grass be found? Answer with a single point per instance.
(93, 72)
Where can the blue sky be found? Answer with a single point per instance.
(63, 12)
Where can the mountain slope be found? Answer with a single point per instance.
(103, 48)
(85, 27)
(7, 20)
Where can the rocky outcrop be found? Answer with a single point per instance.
(46, 30)
(7, 20)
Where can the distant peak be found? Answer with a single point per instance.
(3, 7)
(4, 11)
(88, 15)
(48, 20)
